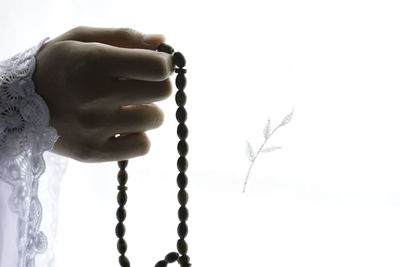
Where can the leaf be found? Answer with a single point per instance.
(267, 129)
(287, 119)
(249, 152)
(270, 149)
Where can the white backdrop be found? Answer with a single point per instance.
(328, 197)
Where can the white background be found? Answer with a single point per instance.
(329, 197)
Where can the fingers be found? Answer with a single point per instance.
(130, 119)
(124, 147)
(130, 122)
(120, 37)
(136, 92)
(135, 64)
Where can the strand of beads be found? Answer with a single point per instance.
(121, 213)
(183, 148)
(182, 180)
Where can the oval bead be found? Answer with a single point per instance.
(182, 180)
(122, 177)
(180, 81)
(182, 164)
(180, 98)
(183, 214)
(182, 246)
(181, 114)
(120, 230)
(122, 197)
(122, 246)
(162, 263)
(122, 164)
(183, 148)
(121, 214)
(123, 261)
(183, 197)
(182, 229)
(165, 48)
(171, 257)
(183, 259)
(179, 59)
(182, 131)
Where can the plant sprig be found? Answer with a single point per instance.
(267, 134)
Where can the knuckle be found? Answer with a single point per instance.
(79, 28)
(90, 56)
(167, 88)
(78, 31)
(145, 145)
(125, 34)
(83, 59)
(165, 66)
(158, 117)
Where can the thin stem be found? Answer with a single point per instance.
(258, 152)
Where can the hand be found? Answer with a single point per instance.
(99, 82)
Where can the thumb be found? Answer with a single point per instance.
(120, 37)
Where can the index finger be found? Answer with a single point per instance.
(136, 64)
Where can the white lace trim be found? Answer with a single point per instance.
(24, 135)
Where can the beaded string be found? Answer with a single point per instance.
(183, 213)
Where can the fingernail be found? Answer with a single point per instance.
(153, 38)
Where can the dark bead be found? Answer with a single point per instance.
(180, 98)
(181, 114)
(182, 180)
(182, 246)
(183, 197)
(179, 59)
(122, 197)
(122, 246)
(121, 214)
(120, 230)
(183, 213)
(182, 230)
(122, 177)
(186, 265)
(122, 164)
(171, 257)
(122, 187)
(162, 263)
(180, 70)
(183, 259)
(180, 81)
(183, 148)
(165, 48)
(182, 164)
(182, 131)
(123, 261)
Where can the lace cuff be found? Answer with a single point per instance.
(24, 135)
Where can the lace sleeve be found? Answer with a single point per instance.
(25, 135)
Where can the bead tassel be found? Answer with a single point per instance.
(122, 198)
(182, 164)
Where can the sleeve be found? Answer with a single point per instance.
(25, 134)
